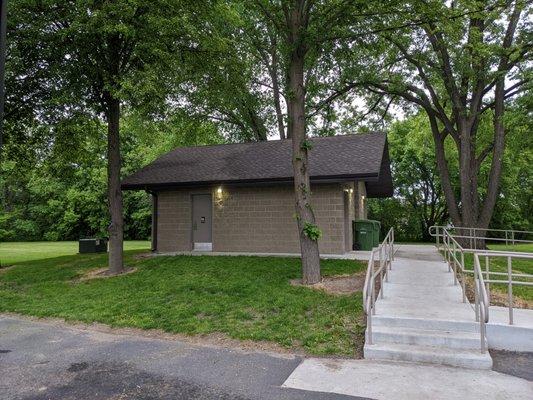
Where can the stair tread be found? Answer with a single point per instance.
(452, 333)
(436, 350)
(383, 318)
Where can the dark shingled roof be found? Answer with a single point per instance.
(334, 159)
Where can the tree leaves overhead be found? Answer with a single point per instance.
(195, 72)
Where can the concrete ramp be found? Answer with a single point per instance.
(421, 317)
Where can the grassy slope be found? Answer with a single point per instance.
(15, 252)
(243, 297)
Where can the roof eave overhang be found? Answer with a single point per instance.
(383, 186)
(243, 182)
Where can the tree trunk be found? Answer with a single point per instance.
(114, 192)
(497, 156)
(300, 162)
(3, 30)
(444, 172)
(276, 92)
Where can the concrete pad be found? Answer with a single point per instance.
(521, 317)
(351, 255)
(384, 380)
(499, 331)
(417, 252)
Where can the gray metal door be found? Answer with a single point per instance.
(201, 218)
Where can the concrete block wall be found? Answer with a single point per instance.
(256, 219)
(262, 219)
(174, 221)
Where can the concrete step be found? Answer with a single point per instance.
(450, 292)
(433, 279)
(426, 324)
(464, 358)
(424, 337)
(438, 302)
(426, 310)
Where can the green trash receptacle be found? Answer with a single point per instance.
(376, 225)
(363, 234)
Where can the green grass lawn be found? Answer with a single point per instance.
(242, 297)
(15, 252)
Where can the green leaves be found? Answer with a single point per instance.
(306, 145)
(312, 231)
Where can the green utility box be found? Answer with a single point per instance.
(92, 245)
(365, 234)
(375, 232)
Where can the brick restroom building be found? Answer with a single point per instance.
(240, 197)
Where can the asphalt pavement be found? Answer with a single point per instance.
(43, 360)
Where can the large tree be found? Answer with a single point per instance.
(461, 62)
(298, 32)
(239, 88)
(102, 54)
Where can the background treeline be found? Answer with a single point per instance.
(56, 189)
(419, 201)
(438, 76)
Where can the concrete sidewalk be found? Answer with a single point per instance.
(397, 381)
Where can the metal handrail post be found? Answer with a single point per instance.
(392, 246)
(448, 251)
(463, 278)
(373, 293)
(510, 288)
(381, 264)
(487, 274)
(483, 329)
(476, 294)
(387, 268)
(369, 327)
(454, 263)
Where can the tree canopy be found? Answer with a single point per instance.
(96, 89)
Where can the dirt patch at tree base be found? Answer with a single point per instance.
(105, 273)
(337, 285)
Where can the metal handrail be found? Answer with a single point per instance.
(482, 302)
(510, 281)
(432, 228)
(451, 248)
(385, 252)
(482, 279)
(475, 234)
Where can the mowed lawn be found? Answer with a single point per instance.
(14, 252)
(241, 297)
